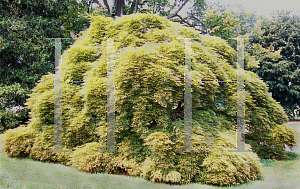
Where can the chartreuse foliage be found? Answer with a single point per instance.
(149, 79)
(20, 140)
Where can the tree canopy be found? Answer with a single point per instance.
(275, 44)
(149, 79)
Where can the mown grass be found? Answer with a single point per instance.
(28, 173)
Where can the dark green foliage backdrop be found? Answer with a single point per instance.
(276, 46)
(25, 52)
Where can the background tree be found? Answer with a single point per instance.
(217, 21)
(275, 43)
(158, 7)
(25, 53)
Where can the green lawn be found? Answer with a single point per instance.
(27, 173)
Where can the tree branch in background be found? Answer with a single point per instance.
(195, 18)
(107, 6)
(176, 13)
(181, 19)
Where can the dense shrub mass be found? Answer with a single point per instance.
(11, 113)
(19, 141)
(149, 104)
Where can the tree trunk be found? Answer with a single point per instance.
(119, 7)
(136, 6)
